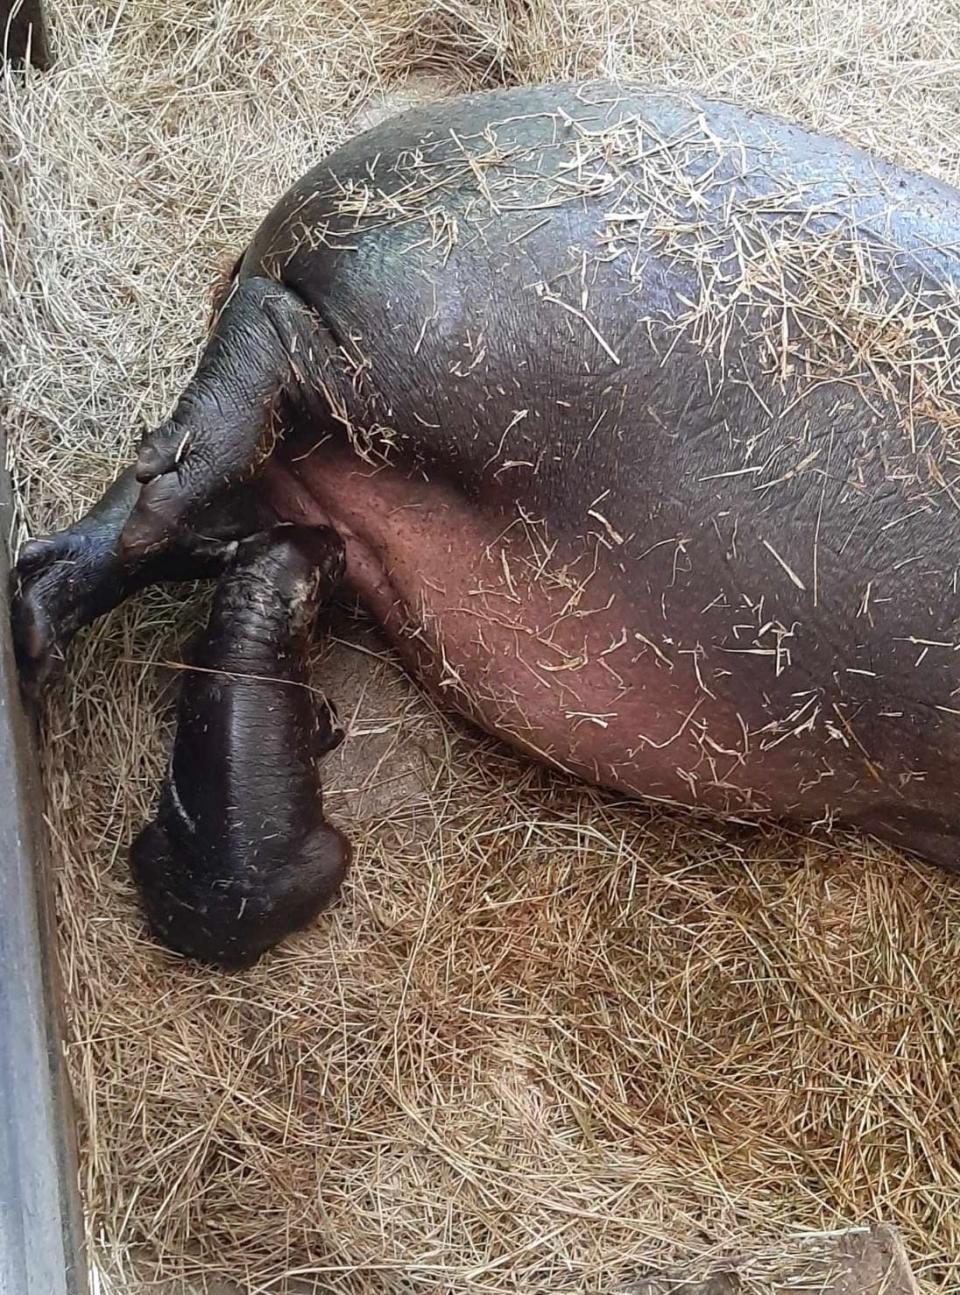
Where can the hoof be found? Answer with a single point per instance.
(161, 450)
(44, 611)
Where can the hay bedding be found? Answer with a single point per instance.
(546, 1041)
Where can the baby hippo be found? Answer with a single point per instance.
(239, 854)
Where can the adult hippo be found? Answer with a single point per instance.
(636, 417)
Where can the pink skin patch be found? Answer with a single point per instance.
(534, 645)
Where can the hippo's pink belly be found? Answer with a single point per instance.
(537, 646)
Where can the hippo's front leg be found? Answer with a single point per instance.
(239, 854)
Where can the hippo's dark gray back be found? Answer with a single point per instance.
(733, 341)
(578, 233)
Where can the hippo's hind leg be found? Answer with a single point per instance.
(64, 581)
(231, 413)
(161, 520)
(239, 854)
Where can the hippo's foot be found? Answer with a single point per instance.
(58, 584)
(230, 416)
(231, 920)
(239, 855)
(65, 581)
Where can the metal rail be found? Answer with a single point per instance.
(41, 1225)
(41, 1230)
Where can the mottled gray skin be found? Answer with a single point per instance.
(635, 414)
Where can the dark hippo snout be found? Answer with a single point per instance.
(198, 909)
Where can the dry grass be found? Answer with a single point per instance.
(545, 1041)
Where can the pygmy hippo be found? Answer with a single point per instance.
(636, 417)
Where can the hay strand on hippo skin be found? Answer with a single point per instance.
(545, 1040)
